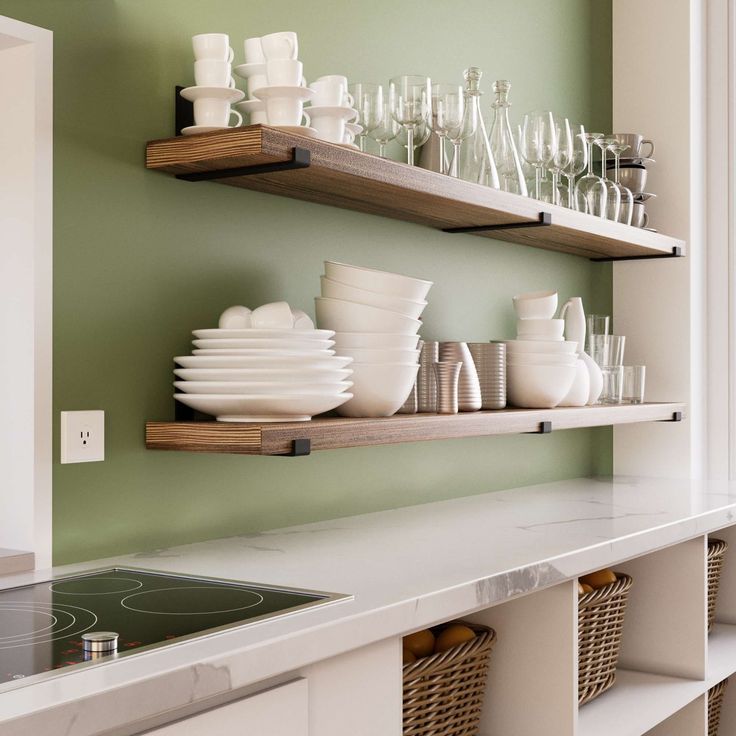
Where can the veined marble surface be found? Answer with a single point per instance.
(407, 569)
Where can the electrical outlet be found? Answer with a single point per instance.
(82, 436)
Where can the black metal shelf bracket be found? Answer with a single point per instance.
(676, 253)
(676, 417)
(544, 428)
(300, 448)
(545, 219)
(300, 159)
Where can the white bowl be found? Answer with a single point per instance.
(297, 345)
(380, 355)
(292, 375)
(536, 305)
(379, 389)
(542, 359)
(541, 346)
(338, 290)
(540, 329)
(384, 282)
(375, 340)
(340, 315)
(255, 388)
(539, 386)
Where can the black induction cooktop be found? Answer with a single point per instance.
(48, 626)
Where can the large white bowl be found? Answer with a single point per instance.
(264, 361)
(261, 387)
(539, 386)
(377, 355)
(541, 346)
(384, 282)
(344, 316)
(536, 305)
(375, 340)
(540, 329)
(291, 375)
(258, 344)
(253, 334)
(245, 352)
(338, 290)
(541, 359)
(379, 389)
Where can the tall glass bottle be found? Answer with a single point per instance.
(503, 146)
(476, 159)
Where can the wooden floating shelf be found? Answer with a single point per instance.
(330, 433)
(334, 175)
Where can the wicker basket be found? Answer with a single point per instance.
(443, 693)
(715, 701)
(716, 551)
(600, 623)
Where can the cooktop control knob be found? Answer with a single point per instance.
(100, 641)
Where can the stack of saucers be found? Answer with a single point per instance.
(268, 365)
(375, 316)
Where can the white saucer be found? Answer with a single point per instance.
(300, 93)
(636, 160)
(217, 93)
(651, 229)
(346, 112)
(196, 129)
(351, 146)
(249, 106)
(643, 196)
(298, 129)
(260, 334)
(248, 70)
(354, 128)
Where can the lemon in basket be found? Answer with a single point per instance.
(452, 636)
(420, 643)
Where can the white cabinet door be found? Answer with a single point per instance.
(281, 711)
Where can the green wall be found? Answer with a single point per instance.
(141, 259)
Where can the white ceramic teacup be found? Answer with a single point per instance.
(284, 73)
(330, 93)
(215, 112)
(213, 73)
(540, 329)
(256, 81)
(635, 141)
(330, 127)
(536, 305)
(281, 45)
(259, 116)
(276, 315)
(639, 218)
(286, 111)
(349, 136)
(347, 98)
(212, 46)
(253, 50)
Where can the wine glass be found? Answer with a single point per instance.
(538, 143)
(562, 156)
(386, 129)
(613, 206)
(627, 196)
(409, 100)
(368, 101)
(591, 189)
(448, 110)
(421, 136)
(577, 164)
(466, 129)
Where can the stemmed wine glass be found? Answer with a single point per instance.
(448, 110)
(385, 131)
(578, 162)
(613, 207)
(409, 99)
(368, 100)
(562, 156)
(627, 197)
(538, 143)
(591, 189)
(466, 129)
(421, 136)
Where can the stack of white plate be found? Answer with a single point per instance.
(375, 316)
(263, 374)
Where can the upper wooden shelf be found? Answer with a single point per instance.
(334, 175)
(330, 433)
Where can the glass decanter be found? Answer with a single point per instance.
(503, 146)
(476, 158)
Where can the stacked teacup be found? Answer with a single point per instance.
(541, 364)
(633, 173)
(332, 112)
(214, 89)
(375, 316)
(275, 78)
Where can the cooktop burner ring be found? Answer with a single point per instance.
(259, 599)
(33, 638)
(28, 609)
(55, 587)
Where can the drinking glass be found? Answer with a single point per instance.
(448, 110)
(607, 350)
(538, 143)
(591, 189)
(562, 156)
(578, 163)
(613, 195)
(627, 196)
(612, 384)
(368, 101)
(466, 129)
(633, 384)
(597, 324)
(385, 131)
(409, 99)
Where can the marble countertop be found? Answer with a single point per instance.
(407, 569)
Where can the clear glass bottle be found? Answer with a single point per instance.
(503, 146)
(476, 159)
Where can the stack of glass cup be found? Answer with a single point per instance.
(622, 384)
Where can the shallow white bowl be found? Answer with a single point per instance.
(539, 386)
(379, 389)
(292, 375)
(542, 359)
(378, 355)
(375, 340)
(259, 344)
(245, 352)
(253, 334)
(344, 316)
(384, 282)
(264, 361)
(338, 290)
(536, 305)
(540, 329)
(261, 387)
(541, 346)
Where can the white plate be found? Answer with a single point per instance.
(640, 160)
(248, 106)
(300, 93)
(262, 408)
(197, 129)
(284, 375)
(344, 111)
(245, 352)
(354, 128)
(257, 344)
(256, 388)
(351, 146)
(298, 130)
(217, 333)
(248, 70)
(219, 93)
(264, 361)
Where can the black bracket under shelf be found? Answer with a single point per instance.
(544, 428)
(300, 448)
(300, 159)
(676, 417)
(676, 253)
(545, 219)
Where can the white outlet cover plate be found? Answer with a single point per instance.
(82, 436)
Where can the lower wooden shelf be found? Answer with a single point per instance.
(331, 433)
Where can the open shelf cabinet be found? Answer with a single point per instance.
(271, 160)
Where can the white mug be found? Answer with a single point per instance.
(285, 111)
(253, 51)
(282, 45)
(348, 137)
(259, 117)
(329, 127)
(330, 93)
(256, 81)
(213, 73)
(215, 112)
(343, 82)
(284, 73)
(212, 46)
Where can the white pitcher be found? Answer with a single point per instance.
(574, 315)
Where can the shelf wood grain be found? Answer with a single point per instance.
(360, 181)
(331, 433)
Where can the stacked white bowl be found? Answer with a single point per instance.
(375, 316)
(541, 364)
(268, 365)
